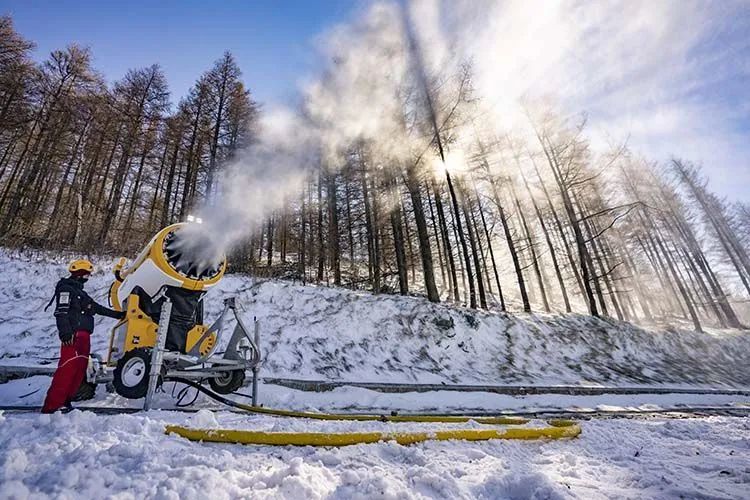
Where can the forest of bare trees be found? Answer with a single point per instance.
(83, 161)
(456, 211)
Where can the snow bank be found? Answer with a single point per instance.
(328, 333)
(81, 455)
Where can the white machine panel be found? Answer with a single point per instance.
(149, 277)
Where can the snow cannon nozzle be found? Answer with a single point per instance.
(192, 252)
(182, 255)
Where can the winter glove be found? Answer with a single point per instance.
(106, 311)
(66, 338)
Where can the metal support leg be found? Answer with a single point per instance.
(256, 368)
(157, 354)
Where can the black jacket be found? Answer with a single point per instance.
(75, 310)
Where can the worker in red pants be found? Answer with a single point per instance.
(74, 314)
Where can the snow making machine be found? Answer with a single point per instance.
(163, 335)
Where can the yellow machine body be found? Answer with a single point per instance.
(196, 340)
(138, 330)
(150, 272)
(135, 330)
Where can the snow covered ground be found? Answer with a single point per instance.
(325, 333)
(82, 455)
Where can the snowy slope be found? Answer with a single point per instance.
(327, 333)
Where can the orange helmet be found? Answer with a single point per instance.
(81, 266)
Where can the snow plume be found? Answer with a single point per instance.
(359, 97)
(261, 177)
(355, 99)
(637, 68)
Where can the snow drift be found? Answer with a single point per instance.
(327, 333)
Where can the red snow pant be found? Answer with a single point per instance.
(71, 369)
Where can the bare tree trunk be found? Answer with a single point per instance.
(482, 254)
(532, 248)
(377, 269)
(460, 258)
(686, 298)
(302, 238)
(604, 269)
(550, 246)
(398, 243)
(640, 294)
(333, 229)
(136, 188)
(584, 257)
(409, 242)
(369, 228)
(321, 248)
(475, 254)
(79, 219)
(699, 283)
(728, 240)
(511, 247)
(462, 240)
(166, 212)
(662, 273)
(700, 260)
(350, 232)
(157, 185)
(446, 242)
(561, 231)
(61, 185)
(269, 241)
(438, 241)
(492, 253)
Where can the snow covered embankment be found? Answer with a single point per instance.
(327, 333)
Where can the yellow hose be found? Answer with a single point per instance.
(556, 430)
(448, 419)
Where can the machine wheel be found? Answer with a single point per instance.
(228, 381)
(86, 391)
(132, 372)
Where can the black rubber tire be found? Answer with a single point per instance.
(86, 391)
(131, 360)
(228, 383)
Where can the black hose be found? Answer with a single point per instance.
(211, 394)
(182, 395)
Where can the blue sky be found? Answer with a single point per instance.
(274, 42)
(671, 75)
